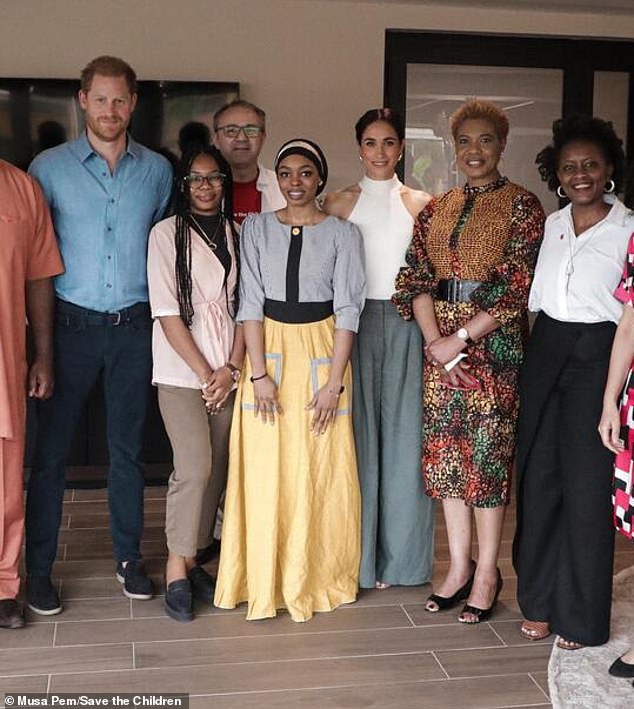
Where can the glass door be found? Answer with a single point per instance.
(536, 80)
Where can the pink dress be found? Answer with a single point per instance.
(623, 495)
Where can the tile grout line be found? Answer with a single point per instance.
(409, 617)
(541, 689)
(433, 654)
(499, 637)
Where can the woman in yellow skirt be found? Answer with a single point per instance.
(291, 533)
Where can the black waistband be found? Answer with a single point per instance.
(297, 312)
(68, 313)
(455, 290)
(552, 323)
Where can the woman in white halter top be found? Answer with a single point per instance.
(387, 364)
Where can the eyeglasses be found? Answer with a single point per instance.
(233, 131)
(197, 181)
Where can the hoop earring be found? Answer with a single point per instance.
(609, 187)
(400, 157)
(560, 192)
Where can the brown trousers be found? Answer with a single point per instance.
(201, 449)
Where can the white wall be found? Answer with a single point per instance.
(314, 65)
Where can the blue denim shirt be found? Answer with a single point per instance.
(102, 220)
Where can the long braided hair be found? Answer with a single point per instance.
(183, 265)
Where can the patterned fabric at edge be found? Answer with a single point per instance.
(623, 494)
(490, 234)
(284, 543)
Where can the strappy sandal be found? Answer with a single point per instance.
(535, 629)
(564, 644)
(480, 615)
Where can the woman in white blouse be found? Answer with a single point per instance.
(198, 353)
(387, 364)
(564, 543)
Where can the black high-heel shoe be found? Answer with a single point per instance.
(621, 669)
(446, 602)
(482, 614)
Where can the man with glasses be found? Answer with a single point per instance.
(105, 192)
(239, 133)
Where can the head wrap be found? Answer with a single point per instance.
(310, 150)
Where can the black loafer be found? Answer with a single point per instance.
(621, 669)
(209, 553)
(41, 596)
(178, 600)
(11, 614)
(203, 584)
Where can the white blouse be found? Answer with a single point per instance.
(576, 276)
(212, 327)
(387, 227)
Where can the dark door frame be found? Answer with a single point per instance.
(578, 57)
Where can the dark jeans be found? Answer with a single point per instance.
(88, 343)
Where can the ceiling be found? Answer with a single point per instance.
(597, 6)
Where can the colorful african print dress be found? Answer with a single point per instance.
(623, 494)
(490, 234)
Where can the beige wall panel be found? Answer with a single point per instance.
(314, 65)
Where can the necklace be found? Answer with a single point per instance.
(209, 240)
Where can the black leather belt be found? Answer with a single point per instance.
(455, 290)
(297, 313)
(69, 314)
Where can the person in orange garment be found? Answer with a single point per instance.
(28, 259)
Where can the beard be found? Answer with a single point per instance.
(108, 130)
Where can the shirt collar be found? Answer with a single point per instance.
(83, 149)
(618, 214)
(262, 179)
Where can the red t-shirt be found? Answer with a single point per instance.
(246, 200)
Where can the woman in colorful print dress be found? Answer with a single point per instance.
(469, 270)
(617, 430)
(564, 542)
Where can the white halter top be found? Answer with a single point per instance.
(387, 227)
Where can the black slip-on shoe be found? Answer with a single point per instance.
(203, 584)
(41, 596)
(178, 600)
(11, 614)
(136, 583)
(209, 553)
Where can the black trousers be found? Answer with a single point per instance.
(564, 544)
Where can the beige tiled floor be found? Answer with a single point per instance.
(384, 651)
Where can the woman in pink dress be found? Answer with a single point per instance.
(617, 428)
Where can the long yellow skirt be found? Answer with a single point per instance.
(291, 532)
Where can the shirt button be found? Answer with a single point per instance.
(295, 230)
(103, 174)
(112, 201)
(109, 257)
(108, 285)
(109, 228)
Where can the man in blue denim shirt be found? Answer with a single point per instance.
(105, 192)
